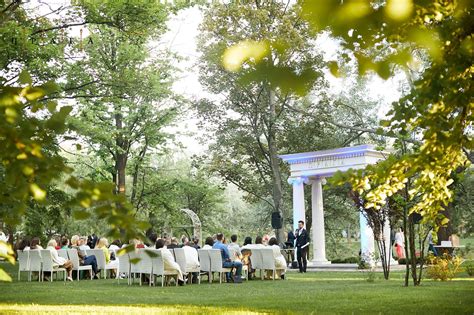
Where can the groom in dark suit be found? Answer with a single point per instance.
(302, 245)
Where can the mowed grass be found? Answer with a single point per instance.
(320, 292)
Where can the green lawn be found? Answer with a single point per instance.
(322, 292)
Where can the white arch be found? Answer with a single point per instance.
(196, 223)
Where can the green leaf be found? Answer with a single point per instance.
(5, 276)
(81, 214)
(24, 77)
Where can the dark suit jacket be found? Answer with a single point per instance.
(302, 238)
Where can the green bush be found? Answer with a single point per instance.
(444, 267)
(469, 267)
(348, 260)
(403, 261)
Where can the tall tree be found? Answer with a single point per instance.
(126, 101)
(254, 118)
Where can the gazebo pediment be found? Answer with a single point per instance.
(327, 162)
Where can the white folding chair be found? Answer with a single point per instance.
(180, 259)
(256, 260)
(63, 253)
(205, 262)
(101, 262)
(268, 261)
(158, 269)
(48, 265)
(123, 266)
(216, 263)
(23, 262)
(74, 257)
(145, 265)
(134, 267)
(183, 263)
(35, 263)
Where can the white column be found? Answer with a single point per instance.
(298, 199)
(367, 246)
(317, 227)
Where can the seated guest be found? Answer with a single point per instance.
(173, 243)
(92, 240)
(84, 260)
(184, 241)
(168, 260)
(280, 261)
(64, 243)
(83, 243)
(196, 243)
(60, 261)
(103, 244)
(192, 257)
(259, 242)
(208, 243)
(24, 244)
(234, 249)
(265, 239)
(226, 261)
(35, 243)
(114, 247)
(247, 240)
(58, 242)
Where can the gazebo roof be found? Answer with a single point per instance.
(327, 162)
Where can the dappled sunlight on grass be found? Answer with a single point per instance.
(99, 309)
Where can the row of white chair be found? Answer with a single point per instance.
(41, 261)
(150, 262)
(143, 262)
(262, 259)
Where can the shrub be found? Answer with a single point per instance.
(443, 268)
(370, 275)
(348, 260)
(469, 267)
(403, 261)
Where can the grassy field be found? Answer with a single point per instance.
(321, 292)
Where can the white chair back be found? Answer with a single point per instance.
(47, 260)
(180, 258)
(35, 260)
(216, 259)
(158, 266)
(99, 256)
(134, 261)
(268, 261)
(63, 253)
(23, 260)
(204, 260)
(74, 257)
(124, 263)
(145, 264)
(256, 258)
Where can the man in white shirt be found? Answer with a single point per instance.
(192, 258)
(234, 248)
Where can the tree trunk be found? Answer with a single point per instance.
(277, 194)
(120, 154)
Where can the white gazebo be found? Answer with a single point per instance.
(312, 168)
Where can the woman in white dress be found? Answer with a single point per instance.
(168, 260)
(280, 261)
(59, 261)
(400, 243)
